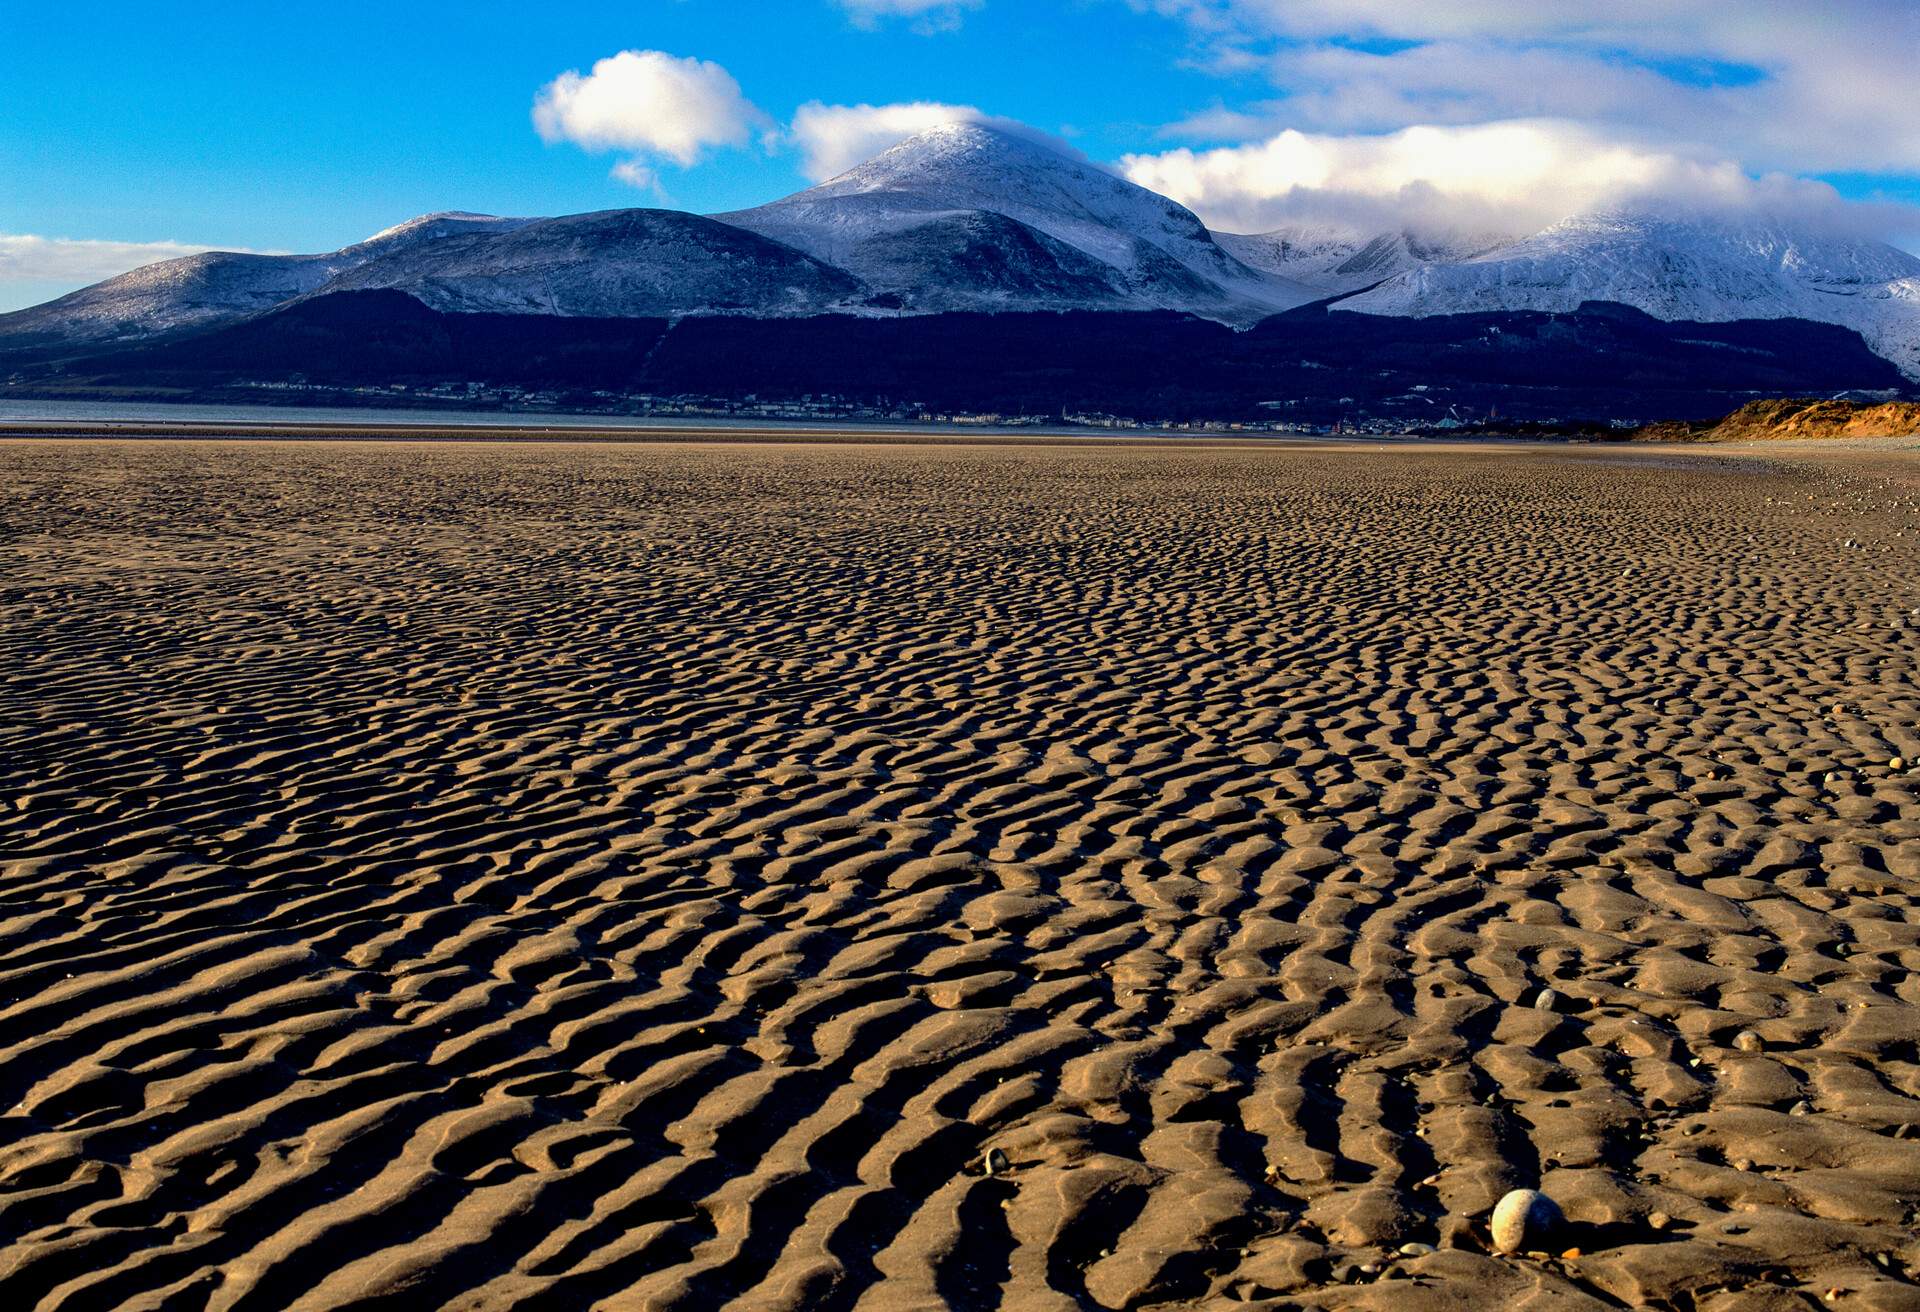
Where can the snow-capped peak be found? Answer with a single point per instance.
(972, 166)
(1157, 250)
(1680, 267)
(962, 155)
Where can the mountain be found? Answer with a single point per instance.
(215, 287)
(615, 263)
(962, 217)
(1089, 236)
(1308, 366)
(1336, 261)
(967, 218)
(1680, 268)
(923, 256)
(185, 293)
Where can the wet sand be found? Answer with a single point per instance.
(661, 876)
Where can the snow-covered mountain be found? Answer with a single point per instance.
(1334, 261)
(611, 264)
(219, 286)
(1700, 269)
(962, 217)
(969, 217)
(918, 254)
(189, 292)
(907, 221)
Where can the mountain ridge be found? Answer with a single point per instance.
(968, 218)
(1340, 261)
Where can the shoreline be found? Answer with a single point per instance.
(831, 437)
(76, 430)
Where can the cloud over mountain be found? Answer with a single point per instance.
(650, 103)
(1511, 177)
(834, 138)
(1777, 84)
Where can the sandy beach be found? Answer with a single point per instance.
(886, 877)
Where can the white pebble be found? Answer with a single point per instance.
(1522, 1215)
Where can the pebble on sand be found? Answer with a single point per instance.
(1522, 1215)
(1748, 1041)
(996, 1162)
(1546, 1000)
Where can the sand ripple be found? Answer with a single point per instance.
(654, 877)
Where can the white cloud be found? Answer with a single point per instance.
(1668, 26)
(835, 138)
(28, 258)
(637, 175)
(1510, 177)
(1775, 83)
(650, 103)
(928, 16)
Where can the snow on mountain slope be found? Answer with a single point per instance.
(1157, 251)
(435, 227)
(967, 217)
(981, 262)
(174, 294)
(613, 263)
(915, 253)
(1334, 261)
(216, 287)
(1675, 268)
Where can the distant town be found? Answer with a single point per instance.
(837, 409)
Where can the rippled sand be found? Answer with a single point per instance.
(641, 877)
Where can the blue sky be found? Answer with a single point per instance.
(306, 126)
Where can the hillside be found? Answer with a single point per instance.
(1310, 366)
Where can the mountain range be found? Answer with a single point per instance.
(970, 219)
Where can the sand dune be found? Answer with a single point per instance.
(653, 876)
(1798, 420)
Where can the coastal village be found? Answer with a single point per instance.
(826, 409)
